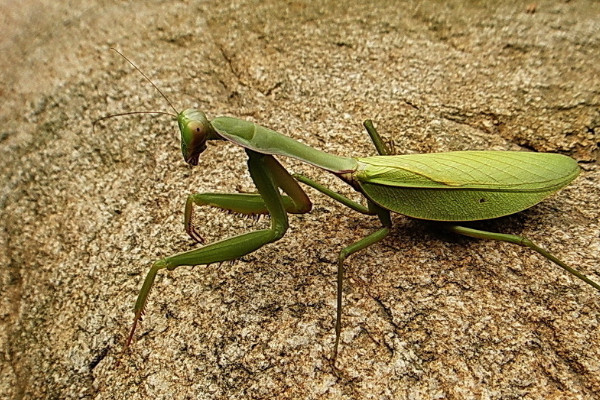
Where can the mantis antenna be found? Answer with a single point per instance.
(148, 79)
(138, 112)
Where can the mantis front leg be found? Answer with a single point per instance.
(295, 202)
(268, 176)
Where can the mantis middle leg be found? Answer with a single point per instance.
(378, 235)
(382, 148)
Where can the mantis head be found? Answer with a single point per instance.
(193, 125)
(195, 131)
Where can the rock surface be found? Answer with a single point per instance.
(426, 315)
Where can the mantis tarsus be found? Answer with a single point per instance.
(451, 187)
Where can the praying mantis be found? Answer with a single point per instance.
(449, 187)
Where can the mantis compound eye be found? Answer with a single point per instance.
(195, 129)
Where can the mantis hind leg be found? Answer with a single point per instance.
(380, 234)
(232, 248)
(295, 201)
(521, 241)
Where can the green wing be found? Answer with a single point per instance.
(464, 185)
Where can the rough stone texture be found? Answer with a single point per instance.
(426, 315)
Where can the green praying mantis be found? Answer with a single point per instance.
(450, 187)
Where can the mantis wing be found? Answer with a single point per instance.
(464, 185)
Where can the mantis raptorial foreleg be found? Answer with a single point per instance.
(295, 202)
(521, 241)
(268, 176)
